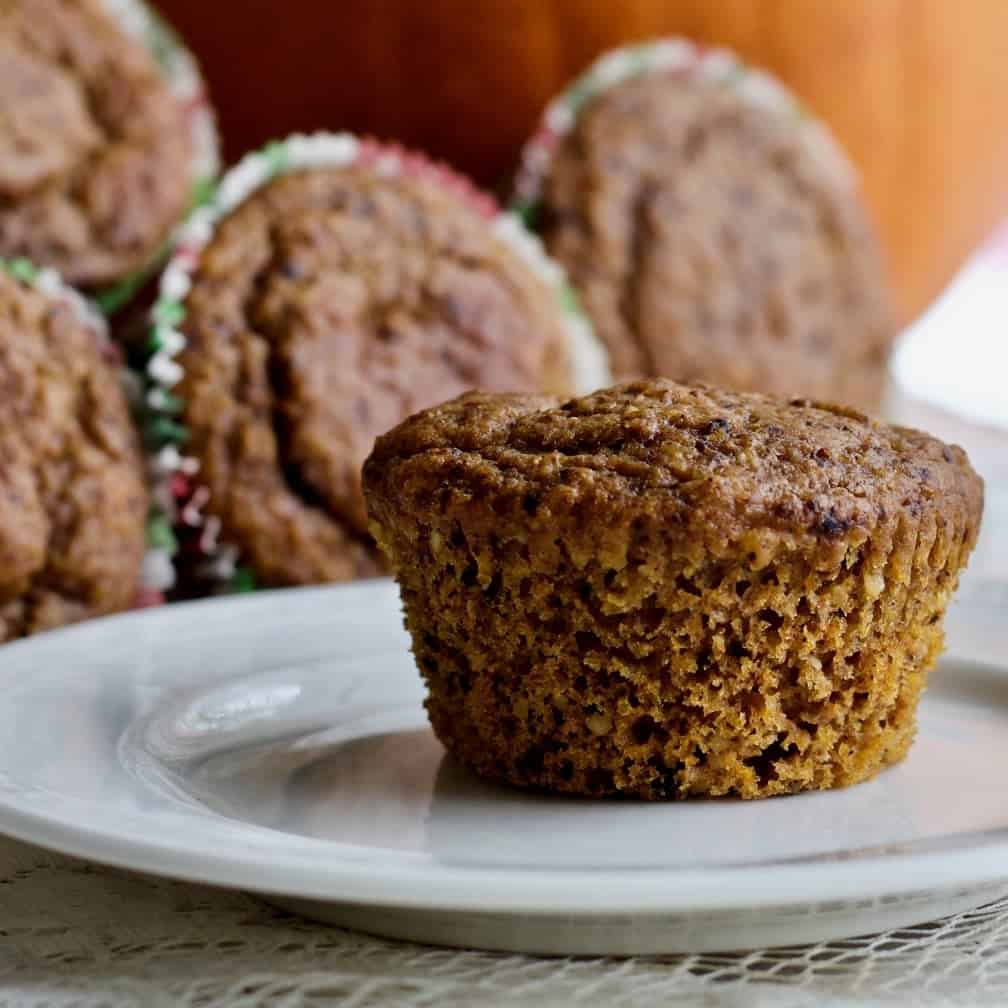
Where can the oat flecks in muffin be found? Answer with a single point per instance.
(666, 590)
(72, 496)
(327, 306)
(95, 150)
(716, 235)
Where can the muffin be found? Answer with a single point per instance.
(713, 229)
(667, 590)
(332, 287)
(72, 496)
(104, 139)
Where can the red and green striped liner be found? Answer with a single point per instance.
(185, 82)
(48, 281)
(678, 58)
(180, 520)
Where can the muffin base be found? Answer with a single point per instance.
(637, 673)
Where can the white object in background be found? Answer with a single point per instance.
(956, 355)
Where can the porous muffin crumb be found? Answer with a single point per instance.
(72, 495)
(668, 590)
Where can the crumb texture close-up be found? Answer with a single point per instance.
(667, 590)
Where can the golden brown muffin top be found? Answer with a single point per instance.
(95, 153)
(72, 495)
(328, 306)
(711, 464)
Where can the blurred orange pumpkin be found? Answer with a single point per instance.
(917, 90)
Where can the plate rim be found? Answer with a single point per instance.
(308, 868)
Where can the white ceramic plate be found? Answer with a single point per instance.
(277, 743)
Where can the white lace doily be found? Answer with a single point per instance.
(80, 935)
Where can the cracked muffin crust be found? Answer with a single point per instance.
(325, 305)
(712, 228)
(668, 590)
(72, 496)
(97, 153)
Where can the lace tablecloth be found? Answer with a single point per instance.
(81, 935)
(75, 934)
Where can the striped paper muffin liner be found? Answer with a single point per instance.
(48, 281)
(679, 58)
(182, 75)
(180, 517)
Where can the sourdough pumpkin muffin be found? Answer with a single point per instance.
(712, 228)
(100, 143)
(667, 590)
(72, 496)
(332, 288)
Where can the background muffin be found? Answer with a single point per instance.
(104, 138)
(72, 495)
(332, 287)
(667, 590)
(713, 230)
